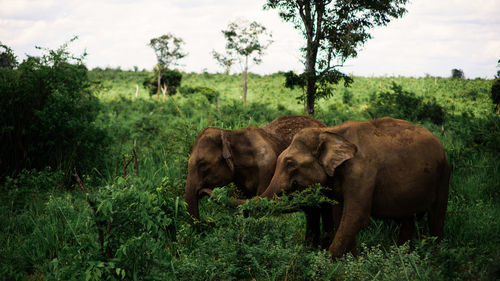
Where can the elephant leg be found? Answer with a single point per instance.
(406, 230)
(337, 216)
(438, 209)
(358, 194)
(312, 226)
(352, 221)
(328, 230)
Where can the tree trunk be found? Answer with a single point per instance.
(164, 90)
(244, 78)
(311, 92)
(159, 85)
(310, 79)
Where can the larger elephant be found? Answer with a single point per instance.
(385, 168)
(246, 157)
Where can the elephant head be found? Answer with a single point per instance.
(311, 158)
(245, 156)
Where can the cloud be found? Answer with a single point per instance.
(433, 37)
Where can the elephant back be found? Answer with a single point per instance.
(286, 127)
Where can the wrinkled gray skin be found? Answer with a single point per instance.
(246, 157)
(385, 168)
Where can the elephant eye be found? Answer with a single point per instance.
(203, 166)
(290, 163)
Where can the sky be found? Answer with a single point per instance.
(432, 38)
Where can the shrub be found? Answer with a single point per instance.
(171, 79)
(406, 105)
(138, 227)
(457, 73)
(209, 93)
(47, 115)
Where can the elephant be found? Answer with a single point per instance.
(246, 157)
(383, 168)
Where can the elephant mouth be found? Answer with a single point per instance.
(294, 187)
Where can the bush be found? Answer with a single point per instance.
(457, 73)
(406, 105)
(138, 227)
(47, 115)
(171, 79)
(209, 93)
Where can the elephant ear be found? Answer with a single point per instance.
(333, 150)
(226, 150)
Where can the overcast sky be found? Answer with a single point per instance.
(432, 38)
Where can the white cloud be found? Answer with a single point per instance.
(433, 37)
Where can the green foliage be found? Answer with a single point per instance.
(244, 41)
(207, 92)
(168, 49)
(324, 84)
(293, 80)
(47, 115)
(395, 263)
(406, 105)
(170, 80)
(457, 73)
(7, 57)
(225, 60)
(139, 224)
(295, 201)
(495, 93)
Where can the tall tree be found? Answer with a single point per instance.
(168, 50)
(333, 30)
(244, 41)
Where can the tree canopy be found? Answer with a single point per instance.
(7, 57)
(334, 30)
(168, 49)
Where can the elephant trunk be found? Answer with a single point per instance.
(191, 197)
(274, 189)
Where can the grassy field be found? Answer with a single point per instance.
(50, 232)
